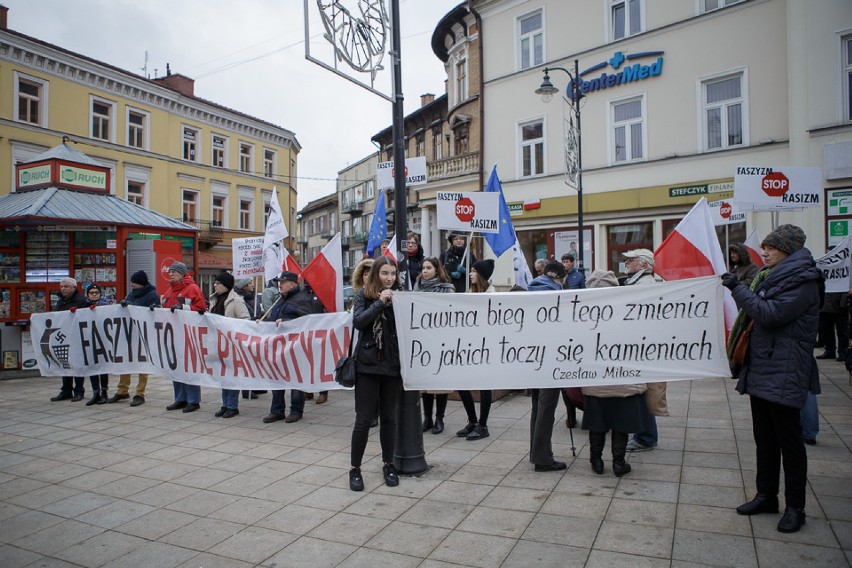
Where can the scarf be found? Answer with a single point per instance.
(742, 320)
(435, 285)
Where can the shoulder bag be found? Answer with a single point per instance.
(344, 372)
(738, 355)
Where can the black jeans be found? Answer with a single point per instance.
(369, 391)
(99, 382)
(544, 403)
(834, 331)
(74, 384)
(428, 399)
(470, 406)
(778, 437)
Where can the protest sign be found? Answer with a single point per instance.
(248, 257)
(667, 332)
(835, 267)
(199, 349)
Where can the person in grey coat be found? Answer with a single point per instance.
(779, 369)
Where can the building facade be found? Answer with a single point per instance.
(679, 95)
(167, 149)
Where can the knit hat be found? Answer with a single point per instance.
(226, 279)
(555, 270)
(786, 238)
(179, 267)
(452, 237)
(242, 283)
(601, 278)
(93, 287)
(644, 255)
(139, 277)
(484, 267)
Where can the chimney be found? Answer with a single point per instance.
(177, 82)
(426, 99)
(4, 17)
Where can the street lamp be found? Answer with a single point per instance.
(572, 140)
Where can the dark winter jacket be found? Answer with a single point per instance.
(371, 359)
(780, 366)
(452, 261)
(295, 304)
(745, 269)
(77, 300)
(835, 303)
(575, 280)
(543, 282)
(412, 264)
(145, 296)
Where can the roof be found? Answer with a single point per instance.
(444, 27)
(55, 204)
(64, 152)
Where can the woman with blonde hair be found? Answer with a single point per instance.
(433, 278)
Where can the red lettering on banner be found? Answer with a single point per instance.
(239, 339)
(324, 377)
(223, 350)
(308, 348)
(278, 346)
(239, 361)
(293, 338)
(253, 349)
(195, 350)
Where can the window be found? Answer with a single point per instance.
(31, 100)
(218, 216)
(332, 221)
(724, 118)
(190, 206)
(628, 131)
(710, 5)
(625, 18)
(369, 189)
(190, 144)
(220, 147)
(437, 148)
(461, 81)
(245, 214)
(136, 193)
(461, 139)
(531, 40)
(102, 118)
(420, 144)
(268, 163)
(846, 44)
(136, 129)
(532, 148)
(246, 154)
(621, 238)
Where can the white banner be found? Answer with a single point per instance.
(835, 267)
(415, 172)
(477, 211)
(668, 332)
(248, 257)
(199, 349)
(761, 188)
(726, 212)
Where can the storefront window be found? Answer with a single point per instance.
(621, 238)
(94, 239)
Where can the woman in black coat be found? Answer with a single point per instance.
(378, 370)
(779, 369)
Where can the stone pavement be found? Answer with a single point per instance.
(117, 486)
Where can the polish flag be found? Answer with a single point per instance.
(692, 250)
(391, 250)
(290, 262)
(276, 259)
(752, 245)
(324, 274)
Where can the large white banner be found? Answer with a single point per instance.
(668, 332)
(762, 188)
(199, 349)
(835, 267)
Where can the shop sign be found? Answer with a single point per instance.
(86, 228)
(839, 202)
(30, 177)
(701, 189)
(83, 177)
(838, 229)
(631, 72)
(515, 209)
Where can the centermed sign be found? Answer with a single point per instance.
(668, 332)
(199, 349)
(467, 212)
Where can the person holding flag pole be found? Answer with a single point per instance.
(507, 239)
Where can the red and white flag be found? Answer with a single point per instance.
(692, 250)
(391, 250)
(324, 274)
(752, 245)
(276, 259)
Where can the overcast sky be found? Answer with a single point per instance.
(249, 55)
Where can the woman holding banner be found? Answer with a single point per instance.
(433, 278)
(378, 370)
(782, 309)
(226, 302)
(480, 281)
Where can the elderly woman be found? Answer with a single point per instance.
(779, 367)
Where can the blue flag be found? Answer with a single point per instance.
(505, 239)
(379, 226)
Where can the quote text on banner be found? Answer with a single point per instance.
(199, 349)
(666, 332)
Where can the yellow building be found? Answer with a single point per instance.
(167, 149)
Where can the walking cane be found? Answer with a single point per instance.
(571, 434)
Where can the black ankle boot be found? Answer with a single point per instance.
(104, 397)
(439, 425)
(760, 504)
(792, 520)
(96, 398)
(619, 450)
(597, 440)
(427, 424)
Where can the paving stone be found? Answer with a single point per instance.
(101, 549)
(253, 545)
(800, 555)
(370, 558)
(497, 522)
(471, 549)
(437, 514)
(57, 537)
(306, 551)
(26, 523)
(632, 539)
(156, 554)
(562, 530)
(157, 524)
(202, 534)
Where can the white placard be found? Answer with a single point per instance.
(726, 212)
(762, 188)
(475, 211)
(835, 267)
(248, 257)
(415, 173)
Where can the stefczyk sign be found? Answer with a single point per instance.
(761, 188)
(467, 212)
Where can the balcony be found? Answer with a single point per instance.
(302, 239)
(360, 237)
(345, 241)
(353, 208)
(209, 232)
(326, 234)
(454, 166)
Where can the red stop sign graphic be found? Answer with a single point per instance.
(393, 172)
(465, 209)
(775, 184)
(725, 210)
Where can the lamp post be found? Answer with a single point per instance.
(572, 140)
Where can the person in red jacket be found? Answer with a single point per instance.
(184, 294)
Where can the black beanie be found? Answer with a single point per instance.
(485, 268)
(226, 279)
(554, 269)
(140, 278)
